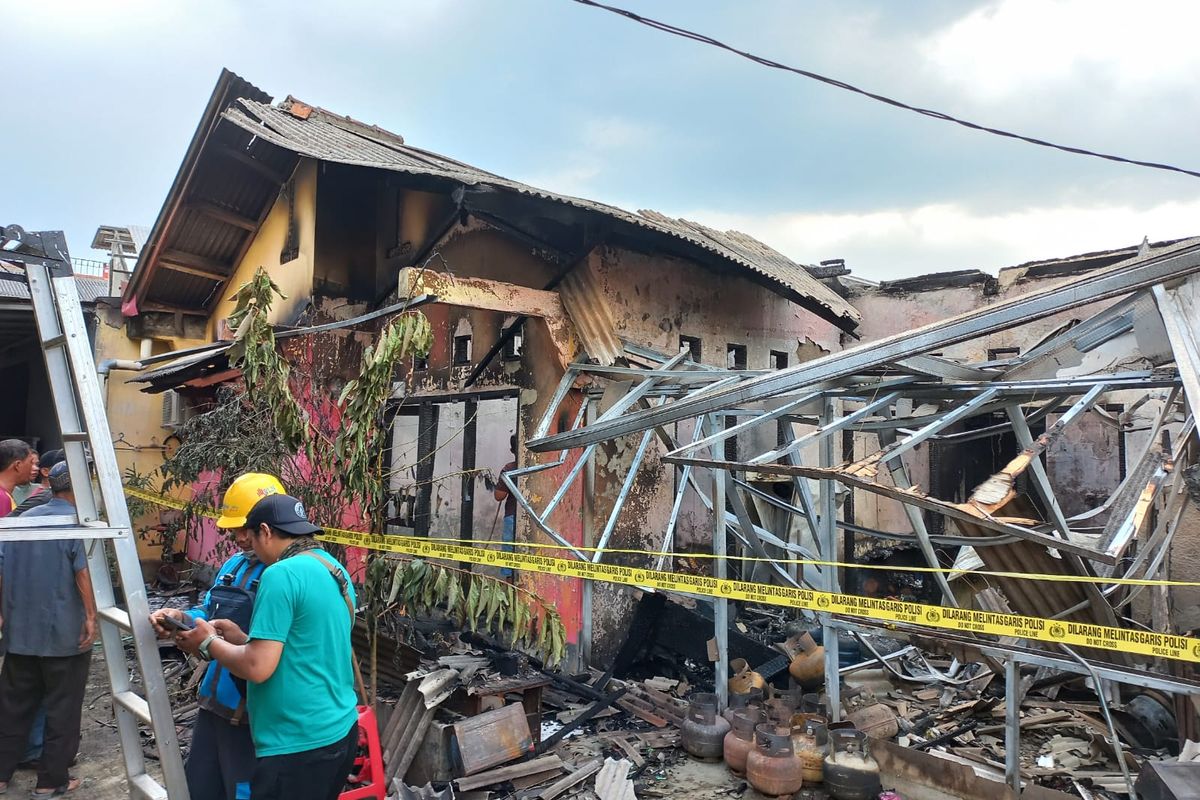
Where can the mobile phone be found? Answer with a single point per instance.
(185, 624)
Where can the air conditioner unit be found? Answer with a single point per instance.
(172, 410)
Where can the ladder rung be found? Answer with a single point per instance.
(54, 341)
(43, 533)
(75, 436)
(135, 704)
(26, 523)
(146, 787)
(116, 616)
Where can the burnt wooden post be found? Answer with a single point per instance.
(427, 425)
(466, 524)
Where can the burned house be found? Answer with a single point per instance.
(350, 219)
(1087, 462)
(689, 404)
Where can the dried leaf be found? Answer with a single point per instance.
(473, 601)
(453, 598)
(397, 584)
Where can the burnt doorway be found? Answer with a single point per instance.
(444, 453)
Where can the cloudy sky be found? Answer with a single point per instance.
(102, 98)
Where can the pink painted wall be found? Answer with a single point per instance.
(208, 545)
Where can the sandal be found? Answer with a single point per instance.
(61, 791)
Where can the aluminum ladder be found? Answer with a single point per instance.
(102, 517)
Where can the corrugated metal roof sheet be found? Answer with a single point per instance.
(584, 301)
(182, 228)
(13, 286)
(329, 137)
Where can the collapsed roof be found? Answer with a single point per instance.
(1038, 560)
(245, 149)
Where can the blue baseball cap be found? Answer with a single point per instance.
(60, 477)
(282, 512)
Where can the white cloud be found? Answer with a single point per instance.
(1014, 47)
(596, 146)
(574, 179)
(112, 23)
(898, 242)
(616, 133)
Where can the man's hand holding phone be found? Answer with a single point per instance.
(169, 621)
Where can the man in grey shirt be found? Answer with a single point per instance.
(49, 623)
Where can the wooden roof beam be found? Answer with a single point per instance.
(193, 264)
(166, 308)
(219, 277)
(245, 159)
(216, 212)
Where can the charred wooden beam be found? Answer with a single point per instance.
(221, 214)
(245, 159)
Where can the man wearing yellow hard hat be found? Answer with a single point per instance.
(222, 757)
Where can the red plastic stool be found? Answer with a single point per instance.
(366, 778)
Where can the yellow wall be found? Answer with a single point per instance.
(295, 278)
(134, 417)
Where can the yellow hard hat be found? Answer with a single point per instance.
(242, 494)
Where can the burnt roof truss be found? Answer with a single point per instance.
(1131, 368)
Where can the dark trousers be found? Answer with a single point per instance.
(25, 683)
(221, 761)
(311, 775)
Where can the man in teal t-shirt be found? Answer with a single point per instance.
(296, 659)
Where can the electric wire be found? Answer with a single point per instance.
(838, 84)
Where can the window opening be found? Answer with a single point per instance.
(735, 356)
(692, 343)
(462, 350)
(512, 348)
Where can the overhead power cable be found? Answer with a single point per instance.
(927, 112)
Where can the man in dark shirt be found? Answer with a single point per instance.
(502, 494)
(40, 496)
(49, 623)
(41, 479)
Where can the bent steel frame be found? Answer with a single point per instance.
(777, 502)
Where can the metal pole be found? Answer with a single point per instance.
(720, 605)
(619, 504)
(833, 686)
(1012, 726)
(589, 536)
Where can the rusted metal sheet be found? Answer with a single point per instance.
(583, 298)
(910, 771)
(493, 738)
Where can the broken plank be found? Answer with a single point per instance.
(659, 739)
(596, 708)
(491, 777)
(642, 713)
(675, 711)
(630, 751)
(662, 700)
(583, 773)
(536, 779)
(567, 717)
(1043, 719)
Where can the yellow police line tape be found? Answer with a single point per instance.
(1148, 643)
(949, 571)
